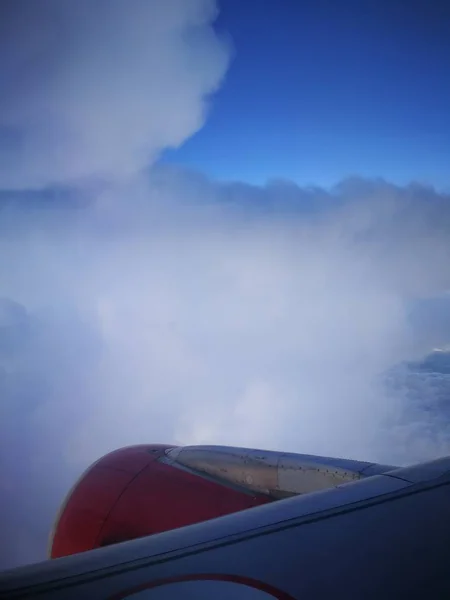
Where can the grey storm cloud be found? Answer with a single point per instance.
(146, 303)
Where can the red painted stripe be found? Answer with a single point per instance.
(237, 579)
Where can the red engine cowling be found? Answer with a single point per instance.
(130, 493)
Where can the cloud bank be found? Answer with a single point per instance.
(159, 306)
(183, 317)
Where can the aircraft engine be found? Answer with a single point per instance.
(142, 490)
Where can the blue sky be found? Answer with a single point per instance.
(319, 90)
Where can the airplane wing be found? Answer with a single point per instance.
(356, 529)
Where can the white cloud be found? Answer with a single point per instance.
(159, 313)
(99, 88)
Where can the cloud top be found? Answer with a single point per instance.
(100, 88)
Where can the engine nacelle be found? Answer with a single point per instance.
(141, 490)
(133, 492)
